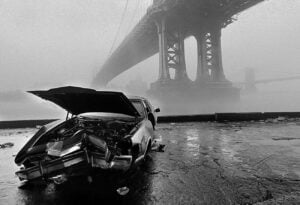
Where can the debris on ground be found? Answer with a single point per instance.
(123, 191)
(59, 179)
(6, 145)
(157, 147)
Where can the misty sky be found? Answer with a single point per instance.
(52, 42)
(48, 43)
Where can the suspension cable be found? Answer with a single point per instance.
(131, 22)
(119, 28)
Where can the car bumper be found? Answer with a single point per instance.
(74, 164)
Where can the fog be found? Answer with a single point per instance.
(50, 43)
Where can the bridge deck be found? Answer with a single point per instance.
(142, 42)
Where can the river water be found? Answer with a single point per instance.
(203, 163)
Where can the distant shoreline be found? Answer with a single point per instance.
(217, 117)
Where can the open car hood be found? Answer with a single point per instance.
(78, 100)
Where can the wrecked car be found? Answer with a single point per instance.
(103, 132)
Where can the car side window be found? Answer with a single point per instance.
(148, 105)
(140, 107)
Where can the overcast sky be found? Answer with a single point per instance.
(48, 43)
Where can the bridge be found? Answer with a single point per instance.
(163, 30)
(250, 82)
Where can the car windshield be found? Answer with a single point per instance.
(139, 107)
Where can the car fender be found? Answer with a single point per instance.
(143, 137)
(36, 137)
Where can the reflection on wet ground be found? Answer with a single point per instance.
(203, 163)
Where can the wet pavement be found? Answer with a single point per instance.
(203, 163)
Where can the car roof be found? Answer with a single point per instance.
(136, 98)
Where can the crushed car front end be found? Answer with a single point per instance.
(104, 142)
(105, 133)
(76, 164)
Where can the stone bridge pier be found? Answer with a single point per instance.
(171, 52)
(209, 66)
(210, 81)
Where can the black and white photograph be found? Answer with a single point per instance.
(145, 102)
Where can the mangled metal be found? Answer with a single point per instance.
(105, 140)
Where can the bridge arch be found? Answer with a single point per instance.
(191, 53)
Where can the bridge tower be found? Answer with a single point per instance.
(171, 53)
(210, 66)
(210, 80)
